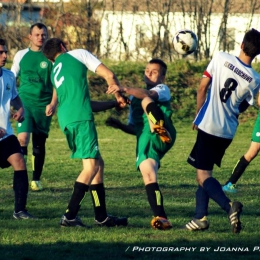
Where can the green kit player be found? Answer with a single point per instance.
(35, 91)
(150, 120)
(76, 121)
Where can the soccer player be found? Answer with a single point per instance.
(76, 121)
(35, 91)
(150, 120)
(227, 88)
(10, 150)
(245, 160)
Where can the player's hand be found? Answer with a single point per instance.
(112, 89)
(50, 110)
(122, 101)
(113, 122)
(194, 127)
(18, 115)
(2, 132)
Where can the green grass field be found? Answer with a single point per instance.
(44, 239)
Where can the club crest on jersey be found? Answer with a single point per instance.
(43, 64)
(7, 87)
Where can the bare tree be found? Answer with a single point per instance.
(139, 29)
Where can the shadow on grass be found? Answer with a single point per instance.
(177, 249)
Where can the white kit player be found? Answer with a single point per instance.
(10, 150)
(227, 88)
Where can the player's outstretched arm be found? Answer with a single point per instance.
(115, 123)
(98, 106)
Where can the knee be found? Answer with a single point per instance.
(39, 144)
(17, 161)
(199, 181)
(23, 140)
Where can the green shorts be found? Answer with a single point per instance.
(35, 121)
(256, 130)
(150, 145)
(82, 140)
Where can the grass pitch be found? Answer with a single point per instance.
(44, 239)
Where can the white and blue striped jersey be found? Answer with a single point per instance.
(8, 92)
(232, 82)
(164, 95)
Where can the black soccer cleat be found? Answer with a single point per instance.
(24, 214)
(197, 224)
(76, 222)
(112, 221)
(234, 216)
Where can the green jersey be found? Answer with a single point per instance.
(34, 69)
(139, 119)
(69, 76)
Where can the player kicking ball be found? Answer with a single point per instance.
(150, 120)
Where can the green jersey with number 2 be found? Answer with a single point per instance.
(69, 76)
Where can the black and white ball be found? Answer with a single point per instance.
(185, 42)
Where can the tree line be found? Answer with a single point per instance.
(78, 22)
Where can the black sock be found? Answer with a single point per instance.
(238, 170)
(155, 199)
(20, 186)
(215, 192)
(202, 202)
(77, 197)
(24, 152)
(155, 114)
(38, 162)
(97, 192)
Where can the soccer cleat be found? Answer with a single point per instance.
(197, 224)
(36, 186)
(234, 216)
(24, 214)
(161, 223)
(112, 221)
(229, 188)
(163, 133)
(76, 222)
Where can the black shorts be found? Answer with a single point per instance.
(8, 146)
(207, 151)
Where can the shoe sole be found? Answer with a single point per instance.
(163, 133)
(63, 226)
(18, 218)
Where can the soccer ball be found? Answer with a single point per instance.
(185, 42)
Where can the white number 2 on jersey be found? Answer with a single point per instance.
(56, 71)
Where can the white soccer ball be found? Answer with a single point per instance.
(185, 42)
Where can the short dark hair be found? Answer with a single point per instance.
(161, 63)
(52, 47)
(2, 42)
(39, 25)
(251, 43)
